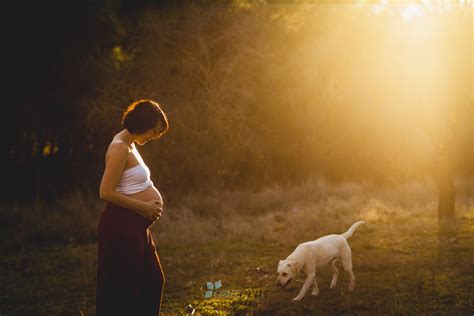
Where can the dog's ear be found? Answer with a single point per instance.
(294, 266)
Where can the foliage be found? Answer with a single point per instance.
(257, 93)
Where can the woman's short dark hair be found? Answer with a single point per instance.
(143, 115)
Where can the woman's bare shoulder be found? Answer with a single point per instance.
(117, 148)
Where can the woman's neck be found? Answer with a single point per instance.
(127, 137)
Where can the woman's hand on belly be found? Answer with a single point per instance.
(156, 209)
(152, 196)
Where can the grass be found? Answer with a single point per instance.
(238, 238)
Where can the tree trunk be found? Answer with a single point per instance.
(448, 230)
(443, 175)
(446, 197)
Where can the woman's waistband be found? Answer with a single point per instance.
(125, 217)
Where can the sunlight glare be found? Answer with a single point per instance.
(411, 11)
(377, 8)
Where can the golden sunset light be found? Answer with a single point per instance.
(238, 157)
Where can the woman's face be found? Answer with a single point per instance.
(151, 134)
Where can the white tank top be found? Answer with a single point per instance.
(136, 178)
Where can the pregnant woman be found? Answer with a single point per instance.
(129, 275)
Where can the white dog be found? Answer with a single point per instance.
(313, 254)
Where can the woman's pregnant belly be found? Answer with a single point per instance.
(150, 193)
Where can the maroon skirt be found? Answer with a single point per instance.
(129, 275)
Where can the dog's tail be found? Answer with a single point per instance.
(351, 230)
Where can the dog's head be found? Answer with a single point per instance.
(287, 269)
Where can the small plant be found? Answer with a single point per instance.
(212, 288)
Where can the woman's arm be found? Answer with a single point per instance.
(114, 166)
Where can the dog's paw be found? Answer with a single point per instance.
(296, 299)
(315, 293)
(333, 285)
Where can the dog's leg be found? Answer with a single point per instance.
(346, 259)
(315, 286)
(335, 274)
(351, 279)
(306, 285)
